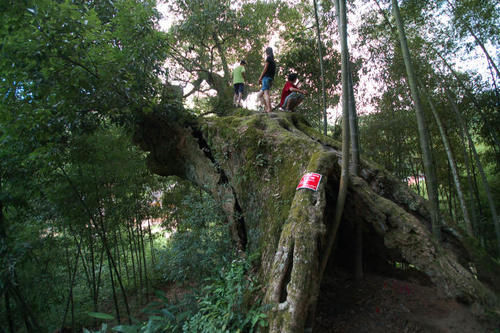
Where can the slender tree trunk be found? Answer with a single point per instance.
(353, 126)
(354, 167)
(138, 257)
(452, 164)
(8, 313)
(151, 246)
(113, 289)
(29, 317)
(72, 275)
(474, 171)
(481, 45)
(117, 252)
(102, 234)
(491, 130)
(414, 171)
(320, 115)
(86, 270)
(491, 202)
(141, 232)
(3, 250)
(471, 168)
(478, 41)
(99, 274)
(111, 261)
(331, 233)
(340, 7)
(130, 241)
(430, 172)
(222, 54)
(93, 268)
(456, 204)
(12, 288)
(449, 195)
(125, 256)
(70, 296)
(320, 54)
(471, 187)
(497, 93)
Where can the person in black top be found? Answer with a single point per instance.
(266, 79)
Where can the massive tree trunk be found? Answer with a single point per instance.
(252, 163)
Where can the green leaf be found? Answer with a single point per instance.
(125, 329)
(100, 315)
(161, 295)
(183, 316)
(156, 318)
(168, 314)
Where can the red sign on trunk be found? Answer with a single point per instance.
(310, 181)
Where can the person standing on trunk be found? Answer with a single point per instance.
(266, 79)
(239, 83)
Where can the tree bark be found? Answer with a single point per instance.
(252, 163)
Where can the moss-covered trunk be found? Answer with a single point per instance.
(253, 162)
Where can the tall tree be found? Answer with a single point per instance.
(340, 6)
(320, 56)
(452, 163)
(209, 36)
(68, 68)
(484, 16)
(354, 167)
(486, 122)
(491, 202)
(430, 171)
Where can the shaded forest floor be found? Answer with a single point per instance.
(382, 304)
(376, 305)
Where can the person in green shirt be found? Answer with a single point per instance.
(239, 83)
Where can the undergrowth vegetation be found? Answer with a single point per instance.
(220, 294)
(226, 302)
